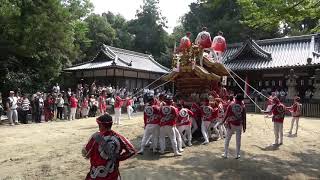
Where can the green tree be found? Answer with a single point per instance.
(224, 15)
(37, 39)
(148, 29)
(78, 8)
(293, 17)
(100, 32)
(177, 33)
(123, 38)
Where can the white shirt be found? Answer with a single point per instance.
(41, 102)
(112, 101)
(60, 102)
(13, 102)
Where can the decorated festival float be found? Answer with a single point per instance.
(194, 82)
(198, 75)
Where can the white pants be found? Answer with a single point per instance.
(179, 139)
(194, 125)
(171, 132)
(129, 111)
(13, 116)
(73, 113)
(84, 112)
(152, 130)
(149, 138)
(187, 129)
(204, 129)
(294, 119)
(117, 115)
(220, 128)
(278, 132)
(233, 129)
(66, 113)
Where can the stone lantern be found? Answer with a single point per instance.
(316, 85)
(291, 84)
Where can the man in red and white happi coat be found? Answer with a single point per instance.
(117, 108)
(185, 42)
(102, 102)
(295, 110)
(219, 45)
(208, 115)
(235, 120)
(228, 102)
(129, 104)
(204, 41)
(270, 104)
(196, 120)
(221, 113)
(222, 92)
(105, 150)
(85, 107)
(151, 125)
(278, 111)
(168, 116)
(184, 123)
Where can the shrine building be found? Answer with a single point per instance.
(119, 67)
(266, 64)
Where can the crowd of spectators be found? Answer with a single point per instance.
(81, 102)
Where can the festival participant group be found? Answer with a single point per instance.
(216, 118)
(165, 118)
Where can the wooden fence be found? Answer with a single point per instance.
(308, 109)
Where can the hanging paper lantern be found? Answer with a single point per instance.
(185, 43)
(219, 44)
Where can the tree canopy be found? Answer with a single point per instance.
(38, 38)
(222, 15)
(148, 29)
(293, 17)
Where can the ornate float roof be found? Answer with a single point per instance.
(111, 57)
(198, 71)
(284, 52)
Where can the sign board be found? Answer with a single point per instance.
(224, 80)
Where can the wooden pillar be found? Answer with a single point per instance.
(137, 80)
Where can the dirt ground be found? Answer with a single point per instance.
(53, 151)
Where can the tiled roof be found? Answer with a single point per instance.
(274, 53)
(116, 57)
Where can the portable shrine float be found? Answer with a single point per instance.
(193, 81)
